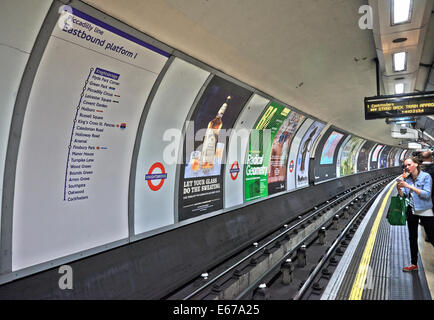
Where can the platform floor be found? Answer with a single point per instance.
(371, 267)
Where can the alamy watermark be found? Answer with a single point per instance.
(67, 278)
(367, 19)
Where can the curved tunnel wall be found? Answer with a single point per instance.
(101, 120)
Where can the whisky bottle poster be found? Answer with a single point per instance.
(280, 152)
(303, 158)
(201, 178)
(258, 158)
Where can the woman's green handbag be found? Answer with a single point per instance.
(397, 211)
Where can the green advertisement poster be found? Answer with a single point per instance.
(261, 138)
(348, 157)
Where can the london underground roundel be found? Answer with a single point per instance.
(151, 176)
(291, 166)
(235, 170)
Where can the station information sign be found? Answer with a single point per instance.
(399, 105)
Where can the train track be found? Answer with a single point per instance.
(292, 262)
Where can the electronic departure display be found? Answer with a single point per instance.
(399, 105)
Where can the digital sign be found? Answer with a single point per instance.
(399, 105)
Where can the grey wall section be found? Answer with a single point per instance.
(153, 267)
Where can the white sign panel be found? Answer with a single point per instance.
(73, 166)
(237, 149)
(160, 146)
(16, 46)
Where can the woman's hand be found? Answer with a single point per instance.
(403, 184)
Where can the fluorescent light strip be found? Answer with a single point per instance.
(401, 11)
(399, 61)
(399, 88)
(405, 122)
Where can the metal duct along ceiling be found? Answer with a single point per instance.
(414, 37)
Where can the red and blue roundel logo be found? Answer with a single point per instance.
(291, 166)
(235, 170)
(151, 176)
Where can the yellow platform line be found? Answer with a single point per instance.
(362, 272)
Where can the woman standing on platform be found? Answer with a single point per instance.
(417, 187)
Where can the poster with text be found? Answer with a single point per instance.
(382, 161)
(260, 145)
(391, 157)
(397, 157)
(303, 158)
(348, 157)
(363, 158)
(280, 152)
(374, 157)
(328, 152)
(201, 179)
(403, 154)
(78, 138)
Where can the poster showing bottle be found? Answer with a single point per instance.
(201, 178)
(280, 152)
(78, 138)
(348, 157)
(303, 158)
(363, 158)
(260, 144)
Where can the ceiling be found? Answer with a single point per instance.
(310, 54)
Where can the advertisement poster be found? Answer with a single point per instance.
(201, 179)
(363, 159)
(303, 157)
(258, 159)
(402, 156)
(280, 151)
(382, 162)
(78, 137)
(391, 157)
(293, 153)
(348, 157)
(328, 151)
(397, 157)
(374, 158)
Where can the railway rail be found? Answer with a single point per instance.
(292, 262)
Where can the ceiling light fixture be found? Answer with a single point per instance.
(399, 88)
(405, 122)
(399, 61)
(401, 11)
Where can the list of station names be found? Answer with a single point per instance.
(100, 94)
